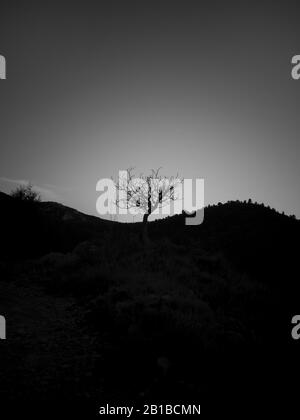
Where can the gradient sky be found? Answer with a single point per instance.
(199, 88)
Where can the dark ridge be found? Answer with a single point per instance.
(243, 231)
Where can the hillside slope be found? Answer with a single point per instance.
(204, 310)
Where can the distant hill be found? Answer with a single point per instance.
(250, 235)
(33, 229)
(255, 238)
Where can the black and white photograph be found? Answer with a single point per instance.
(149, 209)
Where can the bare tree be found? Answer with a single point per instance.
(146, 193)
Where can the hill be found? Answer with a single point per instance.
(94, 314)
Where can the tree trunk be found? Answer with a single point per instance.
(146, 240)
(145, 229)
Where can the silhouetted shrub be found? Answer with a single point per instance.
(26, 193)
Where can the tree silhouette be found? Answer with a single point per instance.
(26, 193)
(146, 193)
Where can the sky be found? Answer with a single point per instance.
(195, 87)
